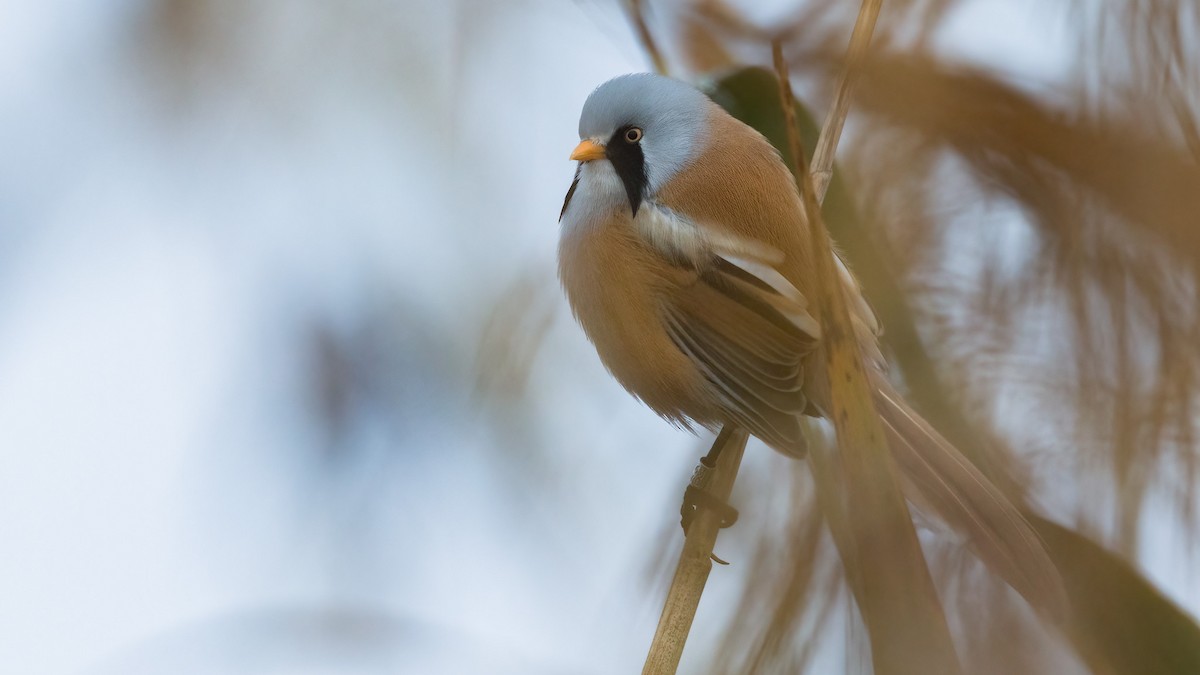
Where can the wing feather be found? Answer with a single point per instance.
(748, 330)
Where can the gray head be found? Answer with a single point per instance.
(649, 126)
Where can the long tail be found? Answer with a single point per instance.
(947, 482)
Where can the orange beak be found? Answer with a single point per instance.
(586, 151)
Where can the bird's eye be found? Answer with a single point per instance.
(633, 135)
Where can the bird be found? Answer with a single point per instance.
(684, 255)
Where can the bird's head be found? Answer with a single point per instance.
(649, 128)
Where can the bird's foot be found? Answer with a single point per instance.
(696, 497)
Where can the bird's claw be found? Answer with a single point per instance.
(696, 498)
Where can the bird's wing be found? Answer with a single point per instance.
(747, 330)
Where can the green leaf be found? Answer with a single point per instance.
(1120, 623)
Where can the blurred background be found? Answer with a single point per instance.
(287, 384)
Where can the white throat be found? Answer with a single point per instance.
(599, 194)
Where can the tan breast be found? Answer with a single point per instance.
(615, 284)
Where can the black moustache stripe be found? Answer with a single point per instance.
(630, 164)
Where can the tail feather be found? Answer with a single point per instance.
(958, 491)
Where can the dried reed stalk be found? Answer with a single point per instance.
(885, 565)
(638, 17)
(695, 560)
(835, 119)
